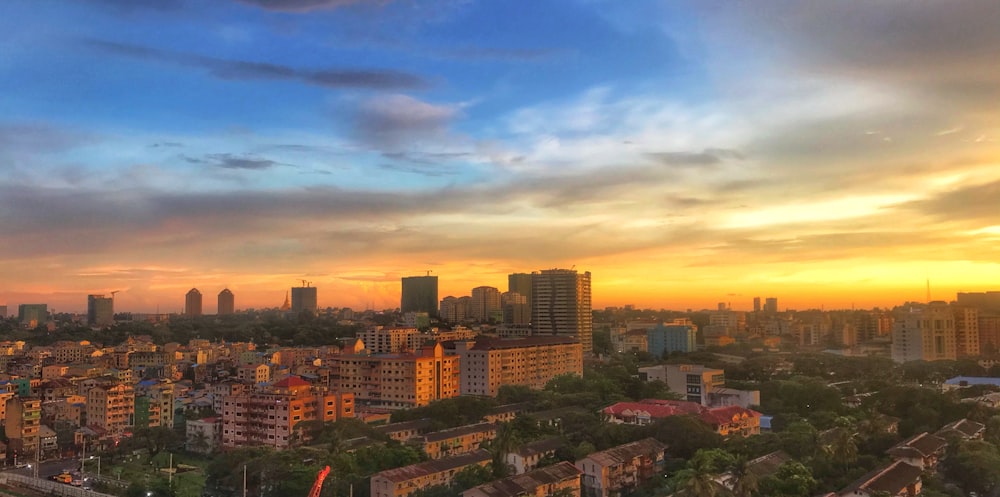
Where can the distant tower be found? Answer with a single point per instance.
(419, 294)
(520, 283)
(287, 306)
(561, 305)
(227, 302)
(304, 298)
(485, 303)
(756, 304)
(192, 303)
(771, 305)
(100, 311)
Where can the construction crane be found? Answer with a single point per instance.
(429, 272)
(113, 294)
(318, 485)
(305, 283)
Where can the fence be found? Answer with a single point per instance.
(48, 487)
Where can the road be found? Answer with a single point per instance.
(48, 469)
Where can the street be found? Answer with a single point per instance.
(47, 469)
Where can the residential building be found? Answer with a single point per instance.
(695, 382)
(22, 420)
(490, 363)
(455, 309)
(254, 373)
(560, 305)
(405, 430)
(203, 436)
(397, 381)
(227, 303)
(619, 470)
(484, 305)
(419, 294)
(771, 305)
(192, 303)
(895, 480)
(268, 417)
(964, 429)
(304, 299)
(516, 309)
(160, 397)
(100, 311)
(562, 478)
(726, 421)
(527, 456)
(925, 333)
(966, 331)
(32, 315)
(668, 338)
(520, 283)
(110, 407)
(455, 441)
(390, 340)
(922, 450)
(400, 482)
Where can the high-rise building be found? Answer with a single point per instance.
(771, 305)
(488, 363)
(100, 310)
(966, 331)
(304, 299)
(420, 294)
(227, 302)
(192, 303)
(987, 301)
(32, 315)
(397, 381)
(756, 304)
(925, 333)
(667, 338)
(3, 312)
(520, 283)
(485, 304)
(516, 309)
(561, 305)
(454, 309)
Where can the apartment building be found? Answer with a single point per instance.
(397, 381)
(562, 478)
(405, 430)
(22, 419)
(268, 417)
(455, 441)
(695, 382)
(400, 482)
(110, 407)
(490, 363)
(621, 469)
(203, 435)
(526, 457)
(160, 398)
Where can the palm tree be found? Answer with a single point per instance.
(745, 481)
(503, 444)
(840, 446)
(698, 480)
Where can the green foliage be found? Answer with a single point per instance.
(975, 465)
(793, 479)
(448, 413)
(685, 435)
(919, 409)
(802, 396)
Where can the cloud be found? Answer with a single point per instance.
(230, 161)
(395, 122)
(707, 157)
(375, 79)
(39, 137)
(976, 203)
(307, 5)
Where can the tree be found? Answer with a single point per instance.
(793, 479)
(698, 478)
(745, 481)
(840, 447)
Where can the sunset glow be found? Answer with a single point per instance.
(829, 154)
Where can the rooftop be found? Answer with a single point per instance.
(625, 453)
(412, 471)
(891, 479)
(526, 484)
(437, 436)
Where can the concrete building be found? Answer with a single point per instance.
(562, 478)
(304, 299)
(526, 457)
(227, 303)
(484, 305)
(397, 381)
(254, 373)
(966, 331)
(455, 441)
(488, 363)
(454, 309)
(726, 421)
(896, 480)
(32, 315)
(268, 417)
(22, 421)
(925, 333)
(619, 470)
(516, 309)
(100, 311)
(110, 408)
(390, 340)
(771, 305)
(192, 303)
(695, 382)
(668, 338)
(520, 283)
(160, 396)
(419, 294)
(400, 482)
(561, 305)
(203, 436)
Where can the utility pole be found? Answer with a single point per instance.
(170, 469)
(244, 480)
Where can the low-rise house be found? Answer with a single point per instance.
(898, 479)
(922, 450)
(562, 477)
(405, 430)
(505, 413)
(620, 469)
(400, 482)
(761, 468)
(964, 429)
(203, 436)
(527, 457)
(727, 421)
(454, 441)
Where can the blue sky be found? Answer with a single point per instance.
(839, 153)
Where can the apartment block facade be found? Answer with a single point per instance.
(488, 364)
(397, 381)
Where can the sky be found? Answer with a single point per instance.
(827, 153)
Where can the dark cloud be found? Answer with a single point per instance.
(39, 137)
(306, 5)
(968, 203)
(416, 169)
(166, 145)
(230, 161)
(394, 122)
(375, 79)
(707, 157)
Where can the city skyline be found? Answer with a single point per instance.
(685, 153)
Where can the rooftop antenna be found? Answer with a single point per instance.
(429, 272)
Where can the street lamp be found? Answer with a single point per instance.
(98, 464)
